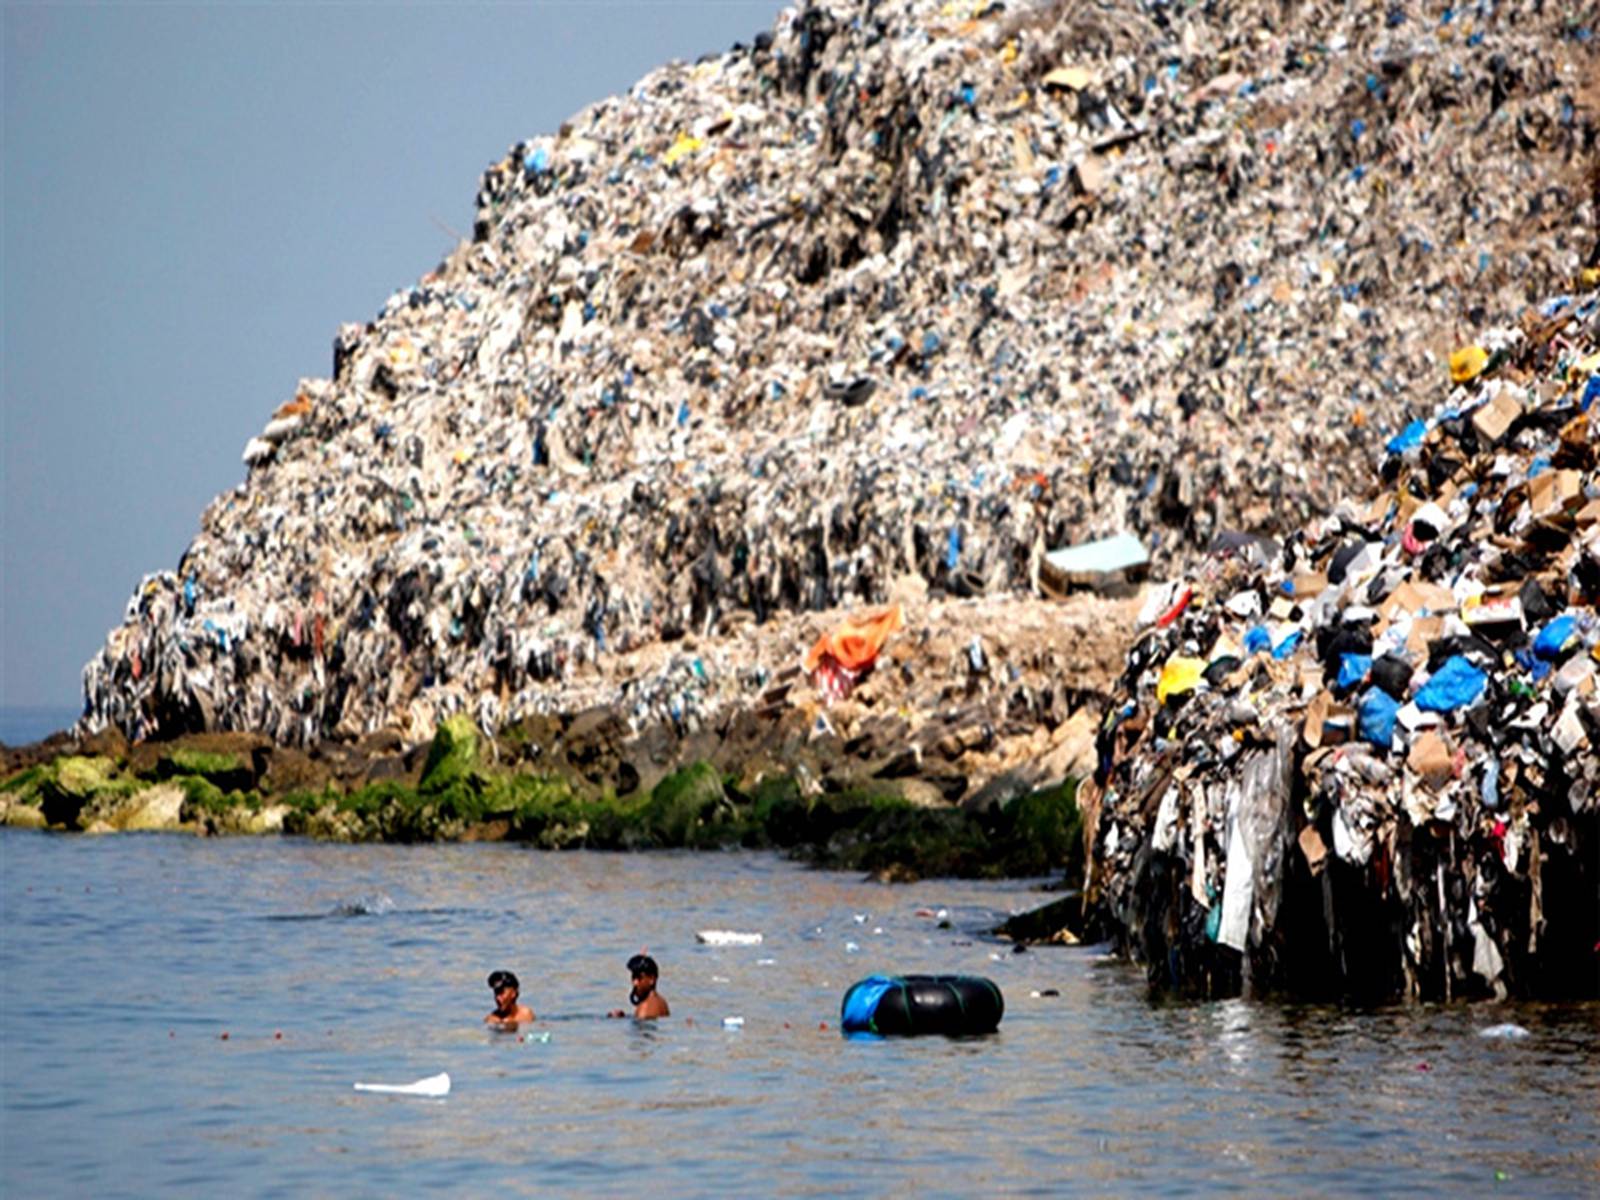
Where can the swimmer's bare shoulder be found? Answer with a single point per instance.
(522, 1016)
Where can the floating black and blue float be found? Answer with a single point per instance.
(909, 1005)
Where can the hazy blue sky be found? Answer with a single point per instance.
(195, 196)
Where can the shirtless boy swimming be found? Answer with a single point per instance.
(508, 1013)
(647, 1002)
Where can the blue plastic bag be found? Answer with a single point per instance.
(1408, 437)
(1553, 639)
(1256, 639)
(1377, 717)
(1454, 685)
(1353, 668)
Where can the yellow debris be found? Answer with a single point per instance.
(1467, 363)
(685, 145)
(1180, 675)
(1076, 78)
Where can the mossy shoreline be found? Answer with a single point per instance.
(464, 790)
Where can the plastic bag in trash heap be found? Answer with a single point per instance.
(839, 657)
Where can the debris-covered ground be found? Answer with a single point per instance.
(952, 752)
(898, 289)
(1363, 761)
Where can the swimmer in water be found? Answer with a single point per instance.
(507, 1014)
(647, 1002)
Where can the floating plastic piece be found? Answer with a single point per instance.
(726, 937)
(433, 1087)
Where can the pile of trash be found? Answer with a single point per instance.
(1363, 760)
(898, 288)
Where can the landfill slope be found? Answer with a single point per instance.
(1363, 762)
(897, 291)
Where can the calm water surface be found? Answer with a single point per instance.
(123, 961)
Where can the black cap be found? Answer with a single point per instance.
(500, 979)
(642, 964)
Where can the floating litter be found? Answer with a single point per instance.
(1508, 1032)
(727, 937)
(733, 1022)
(851, 947)
(432, 1087)
(766, 962)
(541, 1038)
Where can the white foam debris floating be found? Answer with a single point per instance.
(433, 1087)
(726, 937)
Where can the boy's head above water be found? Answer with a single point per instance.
(646, 1001)
(643, 971)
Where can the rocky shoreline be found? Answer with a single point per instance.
(958, 753)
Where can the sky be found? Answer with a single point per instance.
(194, 197)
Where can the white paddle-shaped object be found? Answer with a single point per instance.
(433, 1087)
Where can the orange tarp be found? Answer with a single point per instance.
(855, 644)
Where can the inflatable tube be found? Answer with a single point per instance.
(908, 1005)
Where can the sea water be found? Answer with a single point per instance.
(181, 1016)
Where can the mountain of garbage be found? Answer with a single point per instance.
(899, 291)
(1362, 761)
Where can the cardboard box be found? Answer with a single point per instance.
(1494, 418)
(1553, 491)
(1432, 759)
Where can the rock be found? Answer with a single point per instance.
(19, 758)
(917, 792)
(106, 743)
(684, 801)
(1047, 923)
(227, 758)
(453, 756)
(392, 768)
(154, 808)
(488, 831)
(287, 770)
(227, 772)
(267, 820)
(17, 815)
(70, 784)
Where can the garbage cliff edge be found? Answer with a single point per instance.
(1363, 762)
(901, 289)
